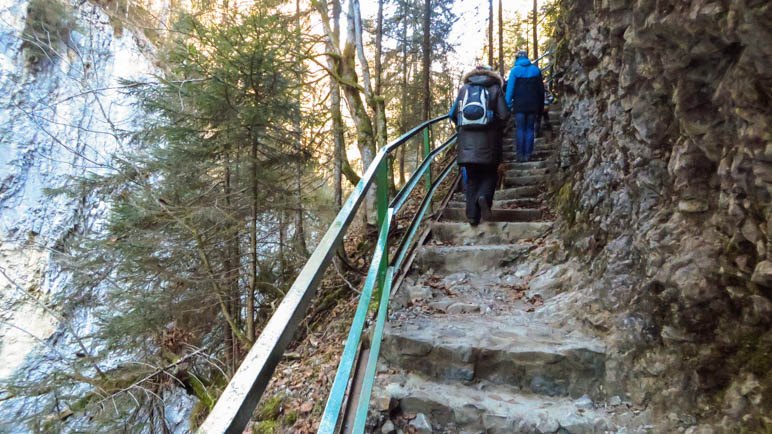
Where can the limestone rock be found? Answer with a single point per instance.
(458, 308)
(762, 275)
(388, 427)
(692, 206)
(419, 292)
(421, 423)
(584, 403)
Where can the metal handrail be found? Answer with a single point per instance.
(363, 400)
(234, 408)
(379, 264)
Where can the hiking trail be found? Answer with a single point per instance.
(470, 347)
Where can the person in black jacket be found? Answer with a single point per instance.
(481, 114)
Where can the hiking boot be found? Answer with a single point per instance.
(474, 222)
(485, 210)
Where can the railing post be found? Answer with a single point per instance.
(382, 202)
(427, 150)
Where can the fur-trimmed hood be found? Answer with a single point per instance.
(482, 77)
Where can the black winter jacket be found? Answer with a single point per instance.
(482, 146)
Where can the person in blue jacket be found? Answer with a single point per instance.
(525, 97)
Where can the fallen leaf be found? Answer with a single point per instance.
(306, 407)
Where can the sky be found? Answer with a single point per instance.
(473, 14)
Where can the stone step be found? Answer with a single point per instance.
(488, 408)
(454, 259)
(537, 155)
(510, 139)
(496, 233)
(540, 143)
(519, 181)
(517, 351)
(526, 172)
(524, 192)
(514, 165)
(528, 191)
(513, 147)
(497, 215)
(502, 204)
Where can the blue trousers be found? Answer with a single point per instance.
(525, 134)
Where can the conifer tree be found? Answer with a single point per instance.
(188, 265)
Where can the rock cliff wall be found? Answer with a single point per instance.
(666, 150)
(62, 114)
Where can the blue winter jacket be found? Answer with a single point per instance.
(525, 88)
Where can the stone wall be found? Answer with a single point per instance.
(666, 175)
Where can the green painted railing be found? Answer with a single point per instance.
(234, 408)
(378, 266)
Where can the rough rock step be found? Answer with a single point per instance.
(513, 148)
(513, 165)
(510, 139)
(516, 351)
(454, 259)
(458, 202)
(497, 215)
(527, 191)
(487, 408)
(535, 156)
(524, 192)
(487, 233)
(526, 172)
(518, 181)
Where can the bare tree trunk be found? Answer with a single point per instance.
(382, 133)
(283, 264)
(347, 78)
(231, 353)
(373, 96)
(300, 233)
(490, 33)
(340, 161)
(234, 250)
(378, 48)
(403, 100)
(252, 280)
(365, 132)
(426, 48)
(535, 24)
(501, 38)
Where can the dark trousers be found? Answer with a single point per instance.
(525, 123)
(543, 123)
(480, 181)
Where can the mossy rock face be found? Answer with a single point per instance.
(565, 203)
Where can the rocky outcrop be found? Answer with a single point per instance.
(62, 115)
(666, 150)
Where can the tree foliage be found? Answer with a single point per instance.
(199, 242)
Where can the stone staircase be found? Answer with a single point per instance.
(468, 348)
